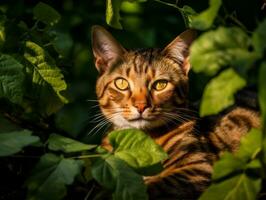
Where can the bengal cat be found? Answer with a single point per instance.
(147, 89)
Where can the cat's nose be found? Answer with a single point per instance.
(141, 107)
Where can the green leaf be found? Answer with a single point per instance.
(262, 94)
(67, 145)
(136, 148)
(227, 165)
(11, 79)
(219, 93)
(238, 187)
(62, 42)
(50, 177)
(117, 176)
(46, 14)
(2, 30)
(259, 38)
(205, 19)
(13, 142)
(250, 145)
(112, 13)
(262, 103)
(7, 126)
(187, 13)
(47, 80)
(222, 47)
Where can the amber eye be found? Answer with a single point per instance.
(121, 84)
(160, 85)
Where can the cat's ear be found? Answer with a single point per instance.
(178, 49)
(106, 49)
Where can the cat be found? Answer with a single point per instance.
(147, 89)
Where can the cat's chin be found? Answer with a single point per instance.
(122, 123)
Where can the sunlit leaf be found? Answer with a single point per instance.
(113, 13)
(13, 142)
(237, 187)
(11, 79)
(67, 145)
(250, 145)
(219, 93)
(136, 148)
(238, 175)
(219, 48)
(205, 19)
(46, 14)
(117, 176)
(47, 80)
(227, 165)
(51, 176)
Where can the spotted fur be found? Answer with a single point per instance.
(164, 114)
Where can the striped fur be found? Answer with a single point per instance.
(164, 114)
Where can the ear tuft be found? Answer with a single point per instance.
(106, 49)
(178, 49)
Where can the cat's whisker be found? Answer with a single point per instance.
(92, 100)
(176, 117)
(99, 125)
(103, 124)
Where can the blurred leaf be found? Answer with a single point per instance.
(11, 79)
(132, 7)
(224, 46)
(262, 103)
(87, 170)
(219, 93)
(67, 145)
(46, 14)
(136, 148)
(113, 13)
(72, 118)
(237, 187)
(2, 30)
(250, 145)
(226, 166)
(259, 37)
(50, 177)
(7, 126)
(205, 19)
(232, 172)
(13, 142)
(262, 94)
(62, 43)
(115, 175)
(188, 14)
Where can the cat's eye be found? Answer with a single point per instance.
(121, 84)
(160, 85)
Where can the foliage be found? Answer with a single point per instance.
(47, 73)
(13, 142)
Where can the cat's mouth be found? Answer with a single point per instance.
(140, 119)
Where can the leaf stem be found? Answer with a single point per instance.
(168, 4)
(178, 8)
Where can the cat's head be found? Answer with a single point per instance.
(141, 88)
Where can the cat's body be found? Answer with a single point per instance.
(147, 89)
